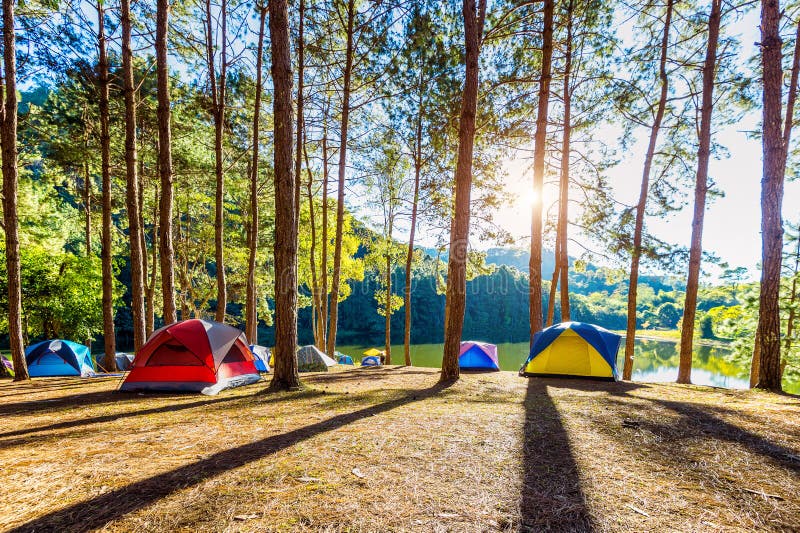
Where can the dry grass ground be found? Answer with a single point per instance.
(389, 450)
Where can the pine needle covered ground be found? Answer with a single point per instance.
(388, 449)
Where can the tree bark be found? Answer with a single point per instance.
(325, 242)
(300, 128)
(410, 253)
(251, 315)
(388, 303)
(540, 140)
(218, 90)
(337, 251)
(551, 301)
(316, 297)
(165, 164)
(10, 182)
(563, 204)
(459, 231)
(774, 159)
(636, 253)
(285, 376)
(792, 318)
(132, 181)
(109, 342)
(700, 192)
(87, 201)
(151, 289)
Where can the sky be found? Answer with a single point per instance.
(732, 223)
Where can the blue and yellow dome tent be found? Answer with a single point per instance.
(573, 349)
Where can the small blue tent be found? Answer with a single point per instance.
(59, 358)
(573, 349)
(261, 356)
(343, 359)
(475, 355)
(371, 360)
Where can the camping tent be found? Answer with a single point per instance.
(194, 356)
(261, 355)
(373, 352)
(371, 360)
(58, 358)
(343, 359)
(478, 356)
(6, 363)
(124, 360)
(573, 349)
(311, 359)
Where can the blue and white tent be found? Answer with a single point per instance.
(343, 359)
(59, 358)
(371, 360)
(261, 356)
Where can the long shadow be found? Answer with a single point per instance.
(30, 407)
(35, 387)
(551, 498)
(360, 373)
(700, 421)
(129, 414)
(97, 512)
(612, 388)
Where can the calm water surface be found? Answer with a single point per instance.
(654, 361)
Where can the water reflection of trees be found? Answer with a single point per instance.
(652, 355)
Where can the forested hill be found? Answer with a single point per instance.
(497, 302)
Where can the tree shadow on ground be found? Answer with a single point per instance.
(551, 498)
(698, 421)
(44, 385)
(612, 388)
(358, 373)
(24, 438)
(96, 512)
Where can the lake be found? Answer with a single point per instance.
(654, 361)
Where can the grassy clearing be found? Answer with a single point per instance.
(389, 449)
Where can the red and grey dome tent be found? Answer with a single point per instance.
(192, 356)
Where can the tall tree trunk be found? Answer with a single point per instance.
(551, 300)
(87, 201)
(774, 158)
(316, 298)
(109, 342)
(388, 303)
(165, 164)
(299, 128)
(792, 318)
(563, 204)
(10, 182)
(540, 140)
(636, 253)
(285, 376)
(700, 192)
(251, 315)
(218, 90)
(459, 231)
(410, 253)
(151, 289)
(325, 241)
(132, 193)
(337, 251)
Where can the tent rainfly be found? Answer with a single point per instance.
(478, 356)
(193, 356)
(311, 359)
(573, 349)
(261, 355)
(59, 358)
